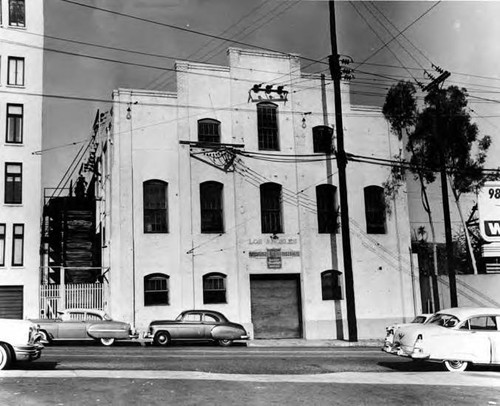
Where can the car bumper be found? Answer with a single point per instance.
(28, 352)
(409, 352)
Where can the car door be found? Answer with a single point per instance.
(73, 326)
(209, 321)
(191, 327)
(483, 331)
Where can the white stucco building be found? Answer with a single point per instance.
(21, 71)
(223, 195)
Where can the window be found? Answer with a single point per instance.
(17, 13)
(156, 289)
(193, 317)
(15, 74)
(14, 123)
(375, 210)
(330, 285)
(327, 209)
(209, 130)
(18, 245)
(2, 244)
(481, 323)
(214, 288)
(211, 207)
(322, 139)
(13, 183)
(155, 206)
(270, 208)
(267, 126)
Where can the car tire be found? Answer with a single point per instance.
(5, 356)
(223, 342)
(162, 338)
(456, 366)
(107, 341)
(44, 337)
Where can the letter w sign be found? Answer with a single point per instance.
(492, 228)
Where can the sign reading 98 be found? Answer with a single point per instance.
(489, 211)
(494, 193)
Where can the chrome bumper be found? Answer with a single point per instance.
(396, 349)
(28, 352)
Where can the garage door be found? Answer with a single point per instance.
(276, 306)
(11, 302)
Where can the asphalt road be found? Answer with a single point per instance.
(128, 374)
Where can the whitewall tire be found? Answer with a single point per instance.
(456, 366)
(5, 356)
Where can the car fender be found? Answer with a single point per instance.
(227, 332)
(106, 330)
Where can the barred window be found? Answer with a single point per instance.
(270, 206)
(13, 183)
(15, 73)
(209, 130)
(155, 206)
(375, 210)
(326, 200)
(211, 207)
(17, 13)
(322, 139)
(156, 289)
(330, 285)
(14, 123)
(214, 288)
(267, 125)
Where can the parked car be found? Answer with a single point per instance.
(389, 330)
(19, 340)
(84, 324)
(457, 337)
(196, 325)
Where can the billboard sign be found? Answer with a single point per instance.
(489, 211)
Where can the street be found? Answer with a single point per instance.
(129, 373)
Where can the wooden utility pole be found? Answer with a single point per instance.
(341, 164)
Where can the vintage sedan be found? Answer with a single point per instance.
(196, 325)
(84, 324)
(457, 337)
(19, 340)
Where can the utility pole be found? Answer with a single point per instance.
(341, 164)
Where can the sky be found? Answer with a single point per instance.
(458, 36)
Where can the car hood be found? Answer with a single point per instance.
(14, 323)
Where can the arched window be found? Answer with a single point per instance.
(375, 210)
(156, 289)
(270, 208)
(330, 285)
(209, 130)
(211, 207)
(322, 139)
(326, 200)
(267, 126)
(214, 288)
(155, 199)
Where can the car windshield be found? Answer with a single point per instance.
(419, 319)
(444, 320)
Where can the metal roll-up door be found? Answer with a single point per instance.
(11, 302)
(276, 308)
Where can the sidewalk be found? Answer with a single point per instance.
(299, 342)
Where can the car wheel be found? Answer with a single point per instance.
(225, 342)
(44, 337)
(5, 356)
(456, 366)
(162, 338)
(107, 341)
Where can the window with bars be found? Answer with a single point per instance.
(209, 130)
(270, 208)
(17, 13)
(267, 126)
(2, 244)
(18, 245)
(15, 73)
(14, 124)
(323, 139)
(331, 285)
(214, 288)
(211, 203)
(375, 211)
(326, 201)
(155, 193)
(156, 289)
(13, 183)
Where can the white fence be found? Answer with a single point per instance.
(54, 298)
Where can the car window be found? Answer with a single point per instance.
(73, 316)
(192, 317)
(418, 319)
(482, 323)
(93, 317)
(209, 318)
(444, 320)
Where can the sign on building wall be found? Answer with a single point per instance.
(489, 211)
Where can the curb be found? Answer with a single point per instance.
(314, 343)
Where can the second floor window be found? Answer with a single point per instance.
(209, 130)
(155, 206)
(18, 245)
(156, 290)
(375, 210)
(270, 208)
(211, 207)
(15, 74)
(322, 139)
(327, 208)
(2, 244)
(267, 126)
(17, 13)
(14, 123)
(13, 183)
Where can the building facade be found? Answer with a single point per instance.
(21, 72)
(223, 195)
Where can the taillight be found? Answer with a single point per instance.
(417, 347)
